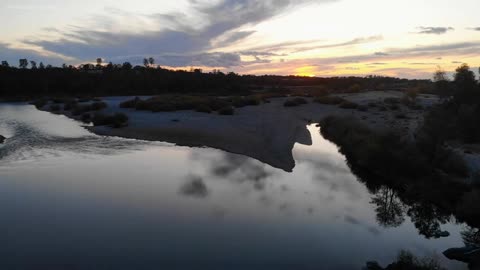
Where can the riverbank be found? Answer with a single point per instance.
(266, 132)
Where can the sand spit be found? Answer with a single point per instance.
(267, 132)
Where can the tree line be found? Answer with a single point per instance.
(32, 79)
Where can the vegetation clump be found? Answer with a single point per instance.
(348, 105)
(117, 120)
(226, 111)
(295, 102)
(206, 104)
(329, 100)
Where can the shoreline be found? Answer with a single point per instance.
(267, 132)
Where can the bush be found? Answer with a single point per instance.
(392, 100)
(385, 154)
(86, 118)
(39, 103)
(97, 106)
(132, 103)
(240, 102)
(116, 121)
(203, 108)
(362, 108)
(54, 107)
(70, 105)
(295, 102)
(348, 105)
(329, 100)
(226, 111)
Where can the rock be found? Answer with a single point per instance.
(2, 139)
(465, 254)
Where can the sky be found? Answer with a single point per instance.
(401, 38)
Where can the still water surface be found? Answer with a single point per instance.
(73, 200)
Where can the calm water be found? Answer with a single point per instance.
(73, 200)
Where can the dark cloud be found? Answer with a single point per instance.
(434, 30)
(474, 28)
(179, 44)
(381, 54)
(12, 55)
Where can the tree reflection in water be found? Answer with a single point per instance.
(389, 208)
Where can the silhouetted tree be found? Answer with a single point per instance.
(146, 62)
(466, 84)
(442, 83)
(151, 61)
(41, 65)
(23, 63)
(33, 64)
(99, 62)
(127, 66)
(5, 64)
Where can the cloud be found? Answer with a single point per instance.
(474, 28)
(12, 55)
(355, 41)
(178, 43)
(381, 54)
(434, 30)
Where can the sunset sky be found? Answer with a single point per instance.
(407, 38)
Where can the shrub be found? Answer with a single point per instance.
(394, 107)
(203, 108)
(392, 100)
(54, 107)
(70, 105)
(329, 100)
(348, 105)
(226, 111)
(116, 121)
(362, 108)
(163, 107)
(385, 154)
(132, 103)
(239, 102)
(39, 103)
(97, 106)
(86, 118)
(295, 102)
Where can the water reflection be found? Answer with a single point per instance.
(155, 206)
(390, 210)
